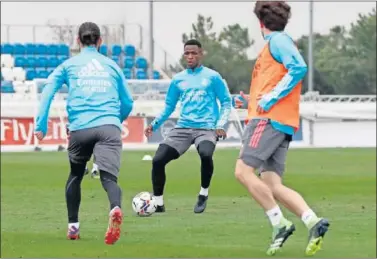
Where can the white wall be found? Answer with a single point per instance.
(326, 133)
(345, 134)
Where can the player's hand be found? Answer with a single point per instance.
(148, 131)
(220, 133)
(259, 109)
(39, 135)
(239, 102)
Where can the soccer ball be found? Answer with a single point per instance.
(143, 204)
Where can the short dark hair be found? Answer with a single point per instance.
(193, 42)
(273, 14)
(89, 33)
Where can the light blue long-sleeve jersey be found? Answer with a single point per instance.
(284, 50)
(197, 90)
(97, 92)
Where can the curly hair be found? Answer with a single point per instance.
(273, 14)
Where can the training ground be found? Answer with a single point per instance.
(339, 184)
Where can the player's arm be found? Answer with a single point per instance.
(125, 97)
(54, 82)
(223, 94)
(240, 101)
(171, 101)
(284, 50)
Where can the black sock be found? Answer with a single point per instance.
(163, 156)
(205, 150)
(73, 191)
(114, 193)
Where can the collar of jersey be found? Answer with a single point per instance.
(89, 49)
(269, 36)
(195, 70)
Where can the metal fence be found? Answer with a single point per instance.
(63, 33)
(130, 33)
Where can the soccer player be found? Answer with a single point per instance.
(97, 104)
(273, 114)
(200, 122)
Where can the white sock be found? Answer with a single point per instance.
(203, 191)
(159, 200)
(76, 225)
(308, 216)
(275, 215)
(95, 168)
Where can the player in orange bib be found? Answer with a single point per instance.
(273, 115)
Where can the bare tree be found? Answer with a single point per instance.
(112, 34)
(67, 33)
(63, 33)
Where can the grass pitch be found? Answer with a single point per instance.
(339, 184)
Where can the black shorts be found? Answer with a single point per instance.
(104, 142)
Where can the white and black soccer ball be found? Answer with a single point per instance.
(144, 204)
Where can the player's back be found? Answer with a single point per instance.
(93, 81)
(270, 73)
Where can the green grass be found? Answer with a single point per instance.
(339, 184)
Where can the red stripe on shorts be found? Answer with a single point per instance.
(255, 138)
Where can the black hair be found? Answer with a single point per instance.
(273, 14)
(89, 33)
(193, 42)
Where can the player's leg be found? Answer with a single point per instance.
(271, 174)
(163, 156)
(205, 142)
(260, 141)
(107, 152)
(177, 142)
(80, 148)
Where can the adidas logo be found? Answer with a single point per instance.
(93, 69)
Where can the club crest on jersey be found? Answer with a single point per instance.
(183, 84)
(205, 82)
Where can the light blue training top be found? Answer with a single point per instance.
(198, 91)
(97, 92)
